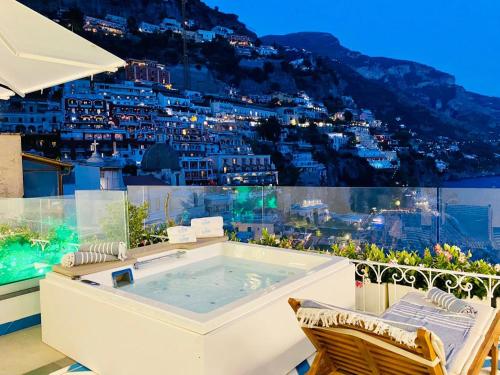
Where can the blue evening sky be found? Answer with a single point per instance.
(461, 37)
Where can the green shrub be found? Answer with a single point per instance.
(136, 229)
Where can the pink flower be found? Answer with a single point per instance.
(438, 249)
(448, 255)
(359, 284)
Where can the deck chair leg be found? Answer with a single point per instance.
(494, 358)
(322, 365)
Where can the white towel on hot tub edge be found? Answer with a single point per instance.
(85, 257)
(181, 234)
(206, 227)
(117, 249)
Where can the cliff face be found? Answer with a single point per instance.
(401, 72)
(414, 83)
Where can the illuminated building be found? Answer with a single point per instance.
(148, 71)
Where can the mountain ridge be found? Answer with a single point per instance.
(418, 83)
(341, 51)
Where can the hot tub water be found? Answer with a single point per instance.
(207, 285)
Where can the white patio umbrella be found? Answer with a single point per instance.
(5, 94)
(36, 53)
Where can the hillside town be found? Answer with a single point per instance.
(139, 127)
(124, 122)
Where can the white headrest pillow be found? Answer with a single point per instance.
(181, 234)
(206, 227)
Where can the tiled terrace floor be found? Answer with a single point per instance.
(24, 353)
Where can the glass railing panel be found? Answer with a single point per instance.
(36, 232)
(240, 207)
(170, 204)
(470, 219)
(34, 235)
(396, 218)
(317, 217)
(301, 214)
(247, 219)
(101, 216)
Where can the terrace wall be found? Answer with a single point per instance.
(11, 166)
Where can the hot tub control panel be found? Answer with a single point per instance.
(122, 277)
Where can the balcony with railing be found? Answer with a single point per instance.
(396, 240)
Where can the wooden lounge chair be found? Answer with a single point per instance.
(348, 349)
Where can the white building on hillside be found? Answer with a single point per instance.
(266, 51)
(312, 173)
(171, 24)
(222, 31)
(149, 28)
(337, 140)
(172, 98)
(204, 35)
(32, 117)
(240, 109)
(116, 19)
(238, 169)
(313, 210)
(198, 170)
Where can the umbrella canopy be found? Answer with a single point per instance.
(36, 53)
(5, 94)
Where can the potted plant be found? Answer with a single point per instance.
(371, 294)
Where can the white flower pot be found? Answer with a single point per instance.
(371, 298)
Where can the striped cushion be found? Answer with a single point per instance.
(449, 302)
(117, 249)
(84, 257)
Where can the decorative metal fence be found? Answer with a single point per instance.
(379, 285)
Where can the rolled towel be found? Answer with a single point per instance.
(207, 227)
(85, 257)
(118, 249)
(181, 234)
(449, 302)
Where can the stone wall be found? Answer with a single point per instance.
(11, 166)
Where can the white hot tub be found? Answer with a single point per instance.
(219, 310)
